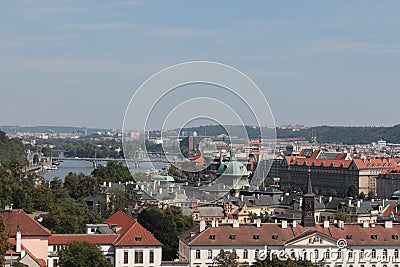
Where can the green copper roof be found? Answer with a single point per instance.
(234, 168)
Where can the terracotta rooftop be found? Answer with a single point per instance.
(273, 234)
(130, 231)
(335, 163)
(375, 163)
(18, 220)
(97, 239)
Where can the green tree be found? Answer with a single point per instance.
(343, 216)
(371, 194)
(332, 192)
(4, 244)
(113, 172)
(166, 225)
(226, 259)
(352, 191)
(82, 254)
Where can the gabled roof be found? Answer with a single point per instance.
(333, 163)
(91, 238)
(375, 163)
(307, 234)
(18, 220)
(131, 233)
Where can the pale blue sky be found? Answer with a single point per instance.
(318, 62)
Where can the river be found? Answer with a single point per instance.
(86, 167)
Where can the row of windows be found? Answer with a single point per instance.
(138, 257)
(327, 254)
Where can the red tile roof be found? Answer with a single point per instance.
(93, 239)
(375, 163)
(131, 232)
(18, 220)
(272, 234)
(293, 161)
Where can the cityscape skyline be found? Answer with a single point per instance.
(78, 64)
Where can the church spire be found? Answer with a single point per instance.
(309, 186)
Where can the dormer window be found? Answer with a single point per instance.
(349, 236)
(212, 237)
(232, 236)
(374, 237)
(275, 236)
(138, 238)
(256, 236)
(395, 237)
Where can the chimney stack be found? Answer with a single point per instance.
(284, 224)
(235, 223)
(294, 224)
(202, 225)
(388, 224)
(365, 224)
(18, 242)
(326, 224)
(258, 223)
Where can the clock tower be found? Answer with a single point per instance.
(308, 206)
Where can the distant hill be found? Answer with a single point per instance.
(325, 134)
(50, 129)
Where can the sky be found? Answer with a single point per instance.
(78, 63)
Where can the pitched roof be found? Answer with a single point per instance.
(375, 163)
(273, 234)
(335, 163)
(18, 220)
(130, 231)
(91, 238)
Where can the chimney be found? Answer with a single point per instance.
(202, 225)
(320, 199)
(349, 202)
(258, 196)
(241, 198)
(365, 224)
(330, 199)
(160, 190)
(104, 183)
(235, 223)
(326, 224)
(284, 224)
(109, 184)
(294, 224)
(216, 224)
(358, 203)
(388, 224)
(341, 224)
(258, 223)
(213, 224)
(18, 242)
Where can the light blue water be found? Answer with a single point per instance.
(86, 167)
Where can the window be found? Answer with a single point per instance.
(373, 254)
(327, 254)
(209, 254)
(385, 253)
(151, 256)
(55, 262)
(197, 254)
(138, 238)
(374, 237)
(138, 256)
(256, 236)
(212, 237)
(362, 254)
(256, 253)
(126, 257)
(304, 254)
(232, 236)
(245, 254)
(316, 254)
(339, 254)
(396, 253)
(350, 254)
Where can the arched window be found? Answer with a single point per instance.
(197, 253)
(385, 254)
(256, 253)
(350, 254)
(373, 254)
(362, 254)
(245, 254)
(209, 254)
(339, 254)
(304, 254)
(327, 254)
(396, 253)
(316, 254)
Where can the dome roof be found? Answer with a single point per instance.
(234, 168)
(396, 194)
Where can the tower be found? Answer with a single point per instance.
(308, 207)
